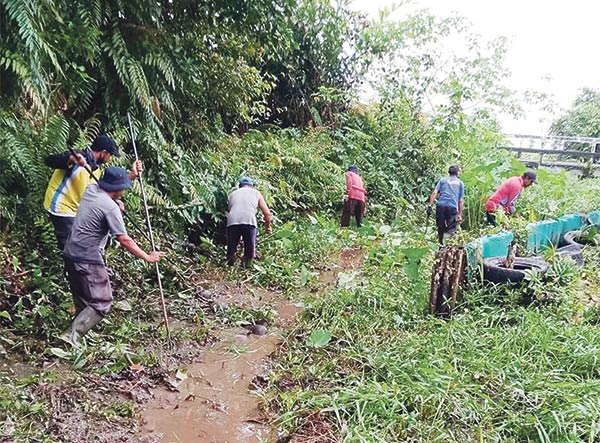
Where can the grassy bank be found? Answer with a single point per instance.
(512, 365)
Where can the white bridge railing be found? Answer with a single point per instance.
(552, 150)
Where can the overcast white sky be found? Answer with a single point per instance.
(557, 40)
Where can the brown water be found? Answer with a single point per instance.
(215, 403)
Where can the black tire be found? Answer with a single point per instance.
(574, 251)
(571, 237)
(494, 272)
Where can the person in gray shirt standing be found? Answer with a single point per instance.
(98, 216)
(241, 219)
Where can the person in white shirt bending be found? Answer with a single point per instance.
(241, 220)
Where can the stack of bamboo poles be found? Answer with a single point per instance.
(449, 273)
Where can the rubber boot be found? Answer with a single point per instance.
(86, 320)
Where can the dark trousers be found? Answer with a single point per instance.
(90, 286)
(491, 218)
(248, 234)
(62, 229)
(353, 207)
(446, 219)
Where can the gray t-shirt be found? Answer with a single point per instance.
(97, 217)
(242, 207)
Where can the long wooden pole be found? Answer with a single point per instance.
(153, 244)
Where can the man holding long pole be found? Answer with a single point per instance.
(98, 216)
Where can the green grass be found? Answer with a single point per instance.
(498, 371)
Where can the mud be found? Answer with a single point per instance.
(217, 398)
(204, 390)
(212, 404)
(15, 369)
(351, 258)
(348, 259)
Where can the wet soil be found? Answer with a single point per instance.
(212, 404)
(351, 258)
(200, 392)
(216, 399)
(348, 259)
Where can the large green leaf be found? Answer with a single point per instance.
(318, 338)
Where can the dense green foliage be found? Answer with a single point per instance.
(583, 118)
(188, 72)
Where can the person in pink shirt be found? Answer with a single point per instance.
(355, 199)
(506, 195)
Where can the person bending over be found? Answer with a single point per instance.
(99, 216)
(241, 220)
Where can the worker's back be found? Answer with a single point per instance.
(451, 190)
(243, 204)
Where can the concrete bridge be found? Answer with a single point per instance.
(580, 154)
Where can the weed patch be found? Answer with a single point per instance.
(499, 370)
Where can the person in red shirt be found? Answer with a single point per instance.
(355, 198)
(506, 195)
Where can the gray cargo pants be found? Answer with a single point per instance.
(90, 286)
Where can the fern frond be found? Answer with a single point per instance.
(29, 17)
(164, 66)
(55, 135)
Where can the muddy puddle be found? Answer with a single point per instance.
(216, 399)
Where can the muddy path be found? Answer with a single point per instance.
(216, 398)
(210, 386)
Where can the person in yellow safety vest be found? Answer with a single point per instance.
(70, 179)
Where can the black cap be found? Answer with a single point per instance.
(531, 175)
(115, 178)
(105, 143)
